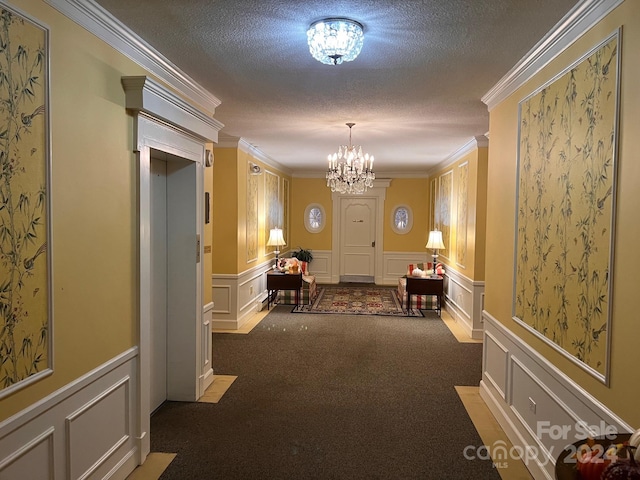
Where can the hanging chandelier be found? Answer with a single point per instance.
(335, 40)
(349, 170)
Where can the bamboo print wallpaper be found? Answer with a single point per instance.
(444, 210)
(463, 214)
(252, 218)
(272, 206)
(433, 221)
(285, 209)
(565, 206)
(25, 284)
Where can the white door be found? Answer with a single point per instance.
(357, 239)
(158, 337)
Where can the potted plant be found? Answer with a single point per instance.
(303, 255)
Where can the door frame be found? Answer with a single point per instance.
(164, 122)
(378, 192)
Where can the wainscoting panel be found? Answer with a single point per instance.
(538, 405)
(495, 359)
(86, 429)
(238, 297)
(206, 373)
(395, 264)
(320, 266)
(33, 460)
(463, 301)
(94, 434)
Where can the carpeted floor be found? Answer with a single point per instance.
(331, 397)
(357, 300)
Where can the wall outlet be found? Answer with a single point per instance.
(532, 405)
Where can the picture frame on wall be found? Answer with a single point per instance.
(566, 192)
(26, 294)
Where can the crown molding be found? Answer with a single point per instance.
(479, 141)
(572, 26)
(229, 141)
(144, 94)
(106, 27)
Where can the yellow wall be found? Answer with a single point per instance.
(230, 173)
(303, 192)
(94, 206)
(625, 356)
(473, 265)
(413, 192)
(224, 211)
(402, 191)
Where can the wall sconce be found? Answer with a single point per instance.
(254, 169)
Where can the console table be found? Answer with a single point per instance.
(283, 281)
(425, 286)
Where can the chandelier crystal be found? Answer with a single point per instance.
(350, 171)
(335, 40)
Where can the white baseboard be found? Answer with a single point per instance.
(91, 422)
(535, 403)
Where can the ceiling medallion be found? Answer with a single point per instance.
(335, 40)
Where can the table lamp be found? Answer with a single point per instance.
(275, 240)
(435, 242)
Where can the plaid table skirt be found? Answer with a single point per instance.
(422, 302)
(307, 293)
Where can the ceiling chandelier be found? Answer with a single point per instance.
(349, 170)
(335, 40)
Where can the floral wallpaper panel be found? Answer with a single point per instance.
(565, 208)
(25, 282)
(252, 218)
(462, 214)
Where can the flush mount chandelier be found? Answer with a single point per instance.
(335, 40)
(350, 171)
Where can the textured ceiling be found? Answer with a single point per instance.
(414, 92)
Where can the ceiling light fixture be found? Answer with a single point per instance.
(349, 170)
(335, 40)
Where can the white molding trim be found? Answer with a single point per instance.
(238, 296)
(41, 439)
(395, 265)
(229, 141)
(464, 300)
(572, 26)
(559, 400)
(146, 95)
(151, 133)
(109, 29)
(472, 145)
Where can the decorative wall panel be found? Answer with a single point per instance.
(272, 206)
(285, 210)
(565, 208)
(462, 206)
(445, 193)
(252, 218)
(25, 261)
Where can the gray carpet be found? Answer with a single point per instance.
(330, 397)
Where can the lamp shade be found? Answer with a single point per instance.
(275, 238)
(435, 240)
